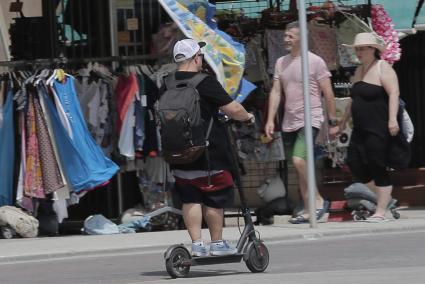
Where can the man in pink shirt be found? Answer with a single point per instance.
(288, 86)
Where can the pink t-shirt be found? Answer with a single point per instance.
(288, 71)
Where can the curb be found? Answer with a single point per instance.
(76, 254)
(317, 234)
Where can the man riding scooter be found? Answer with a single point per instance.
(205, 185)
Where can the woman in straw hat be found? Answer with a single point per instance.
(374, 107)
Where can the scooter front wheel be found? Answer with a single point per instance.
(176, 263)
(257, 257)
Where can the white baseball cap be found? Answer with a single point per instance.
(186, 48)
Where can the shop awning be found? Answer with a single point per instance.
(401, 11)
(225, 56)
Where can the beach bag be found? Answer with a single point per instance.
(272, 189)
(22, 223)
(99, 225)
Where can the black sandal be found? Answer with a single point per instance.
(298, 220)
(322, 211)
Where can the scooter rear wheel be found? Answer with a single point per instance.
(257, 257)
(175, 264)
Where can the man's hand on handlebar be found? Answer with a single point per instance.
(250, 120)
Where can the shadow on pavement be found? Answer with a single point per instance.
(195, 273)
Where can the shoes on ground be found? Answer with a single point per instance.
(376, 219)
(323, 210)
(300, 219)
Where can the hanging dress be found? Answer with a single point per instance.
(52, 179)
(33, 180)
(85, 164)
(7, 150)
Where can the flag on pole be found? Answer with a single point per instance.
(225, 56)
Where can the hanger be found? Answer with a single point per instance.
(18, 82)
(43, 75)
(83, 72)
(10, 79)
(139, 69)
(102, 71)
(22, 74)
(51, 78)
(30, 79)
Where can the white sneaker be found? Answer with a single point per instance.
(199, 249)
(221, 248)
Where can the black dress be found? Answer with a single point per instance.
(370, 139)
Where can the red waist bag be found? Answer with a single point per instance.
(218, 181)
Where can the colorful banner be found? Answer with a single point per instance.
(225, 56)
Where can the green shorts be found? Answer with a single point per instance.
(294, 143)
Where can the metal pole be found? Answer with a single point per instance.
(113, 29)
(3, 38)
(311, 179)
(120, 195)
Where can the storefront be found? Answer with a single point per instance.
(126, 45)
(76, 36)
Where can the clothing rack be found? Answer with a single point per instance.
(64, 60)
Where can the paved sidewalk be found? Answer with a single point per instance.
(68, 246)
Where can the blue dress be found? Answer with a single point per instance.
(7, 152)
(84, 163)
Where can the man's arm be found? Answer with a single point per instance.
(236, 111)
(346, 117)
(326, 88)
(274, 102)
(211, 90)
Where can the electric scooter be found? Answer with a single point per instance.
(250, 248)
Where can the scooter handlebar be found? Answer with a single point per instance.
(226, 119)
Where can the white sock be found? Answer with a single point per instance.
(198, 242)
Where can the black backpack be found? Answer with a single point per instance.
(184, 137)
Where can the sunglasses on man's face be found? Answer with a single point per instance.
(198, 55)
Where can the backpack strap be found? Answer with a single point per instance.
(171, 82)
(196, 80)
(207, 153)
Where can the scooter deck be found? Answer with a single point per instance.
(207, 260)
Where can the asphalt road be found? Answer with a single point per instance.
(377, 258)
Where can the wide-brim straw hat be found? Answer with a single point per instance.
(367, 39)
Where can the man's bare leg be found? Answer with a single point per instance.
(192, 216)
(214, 219)
(301, 168)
